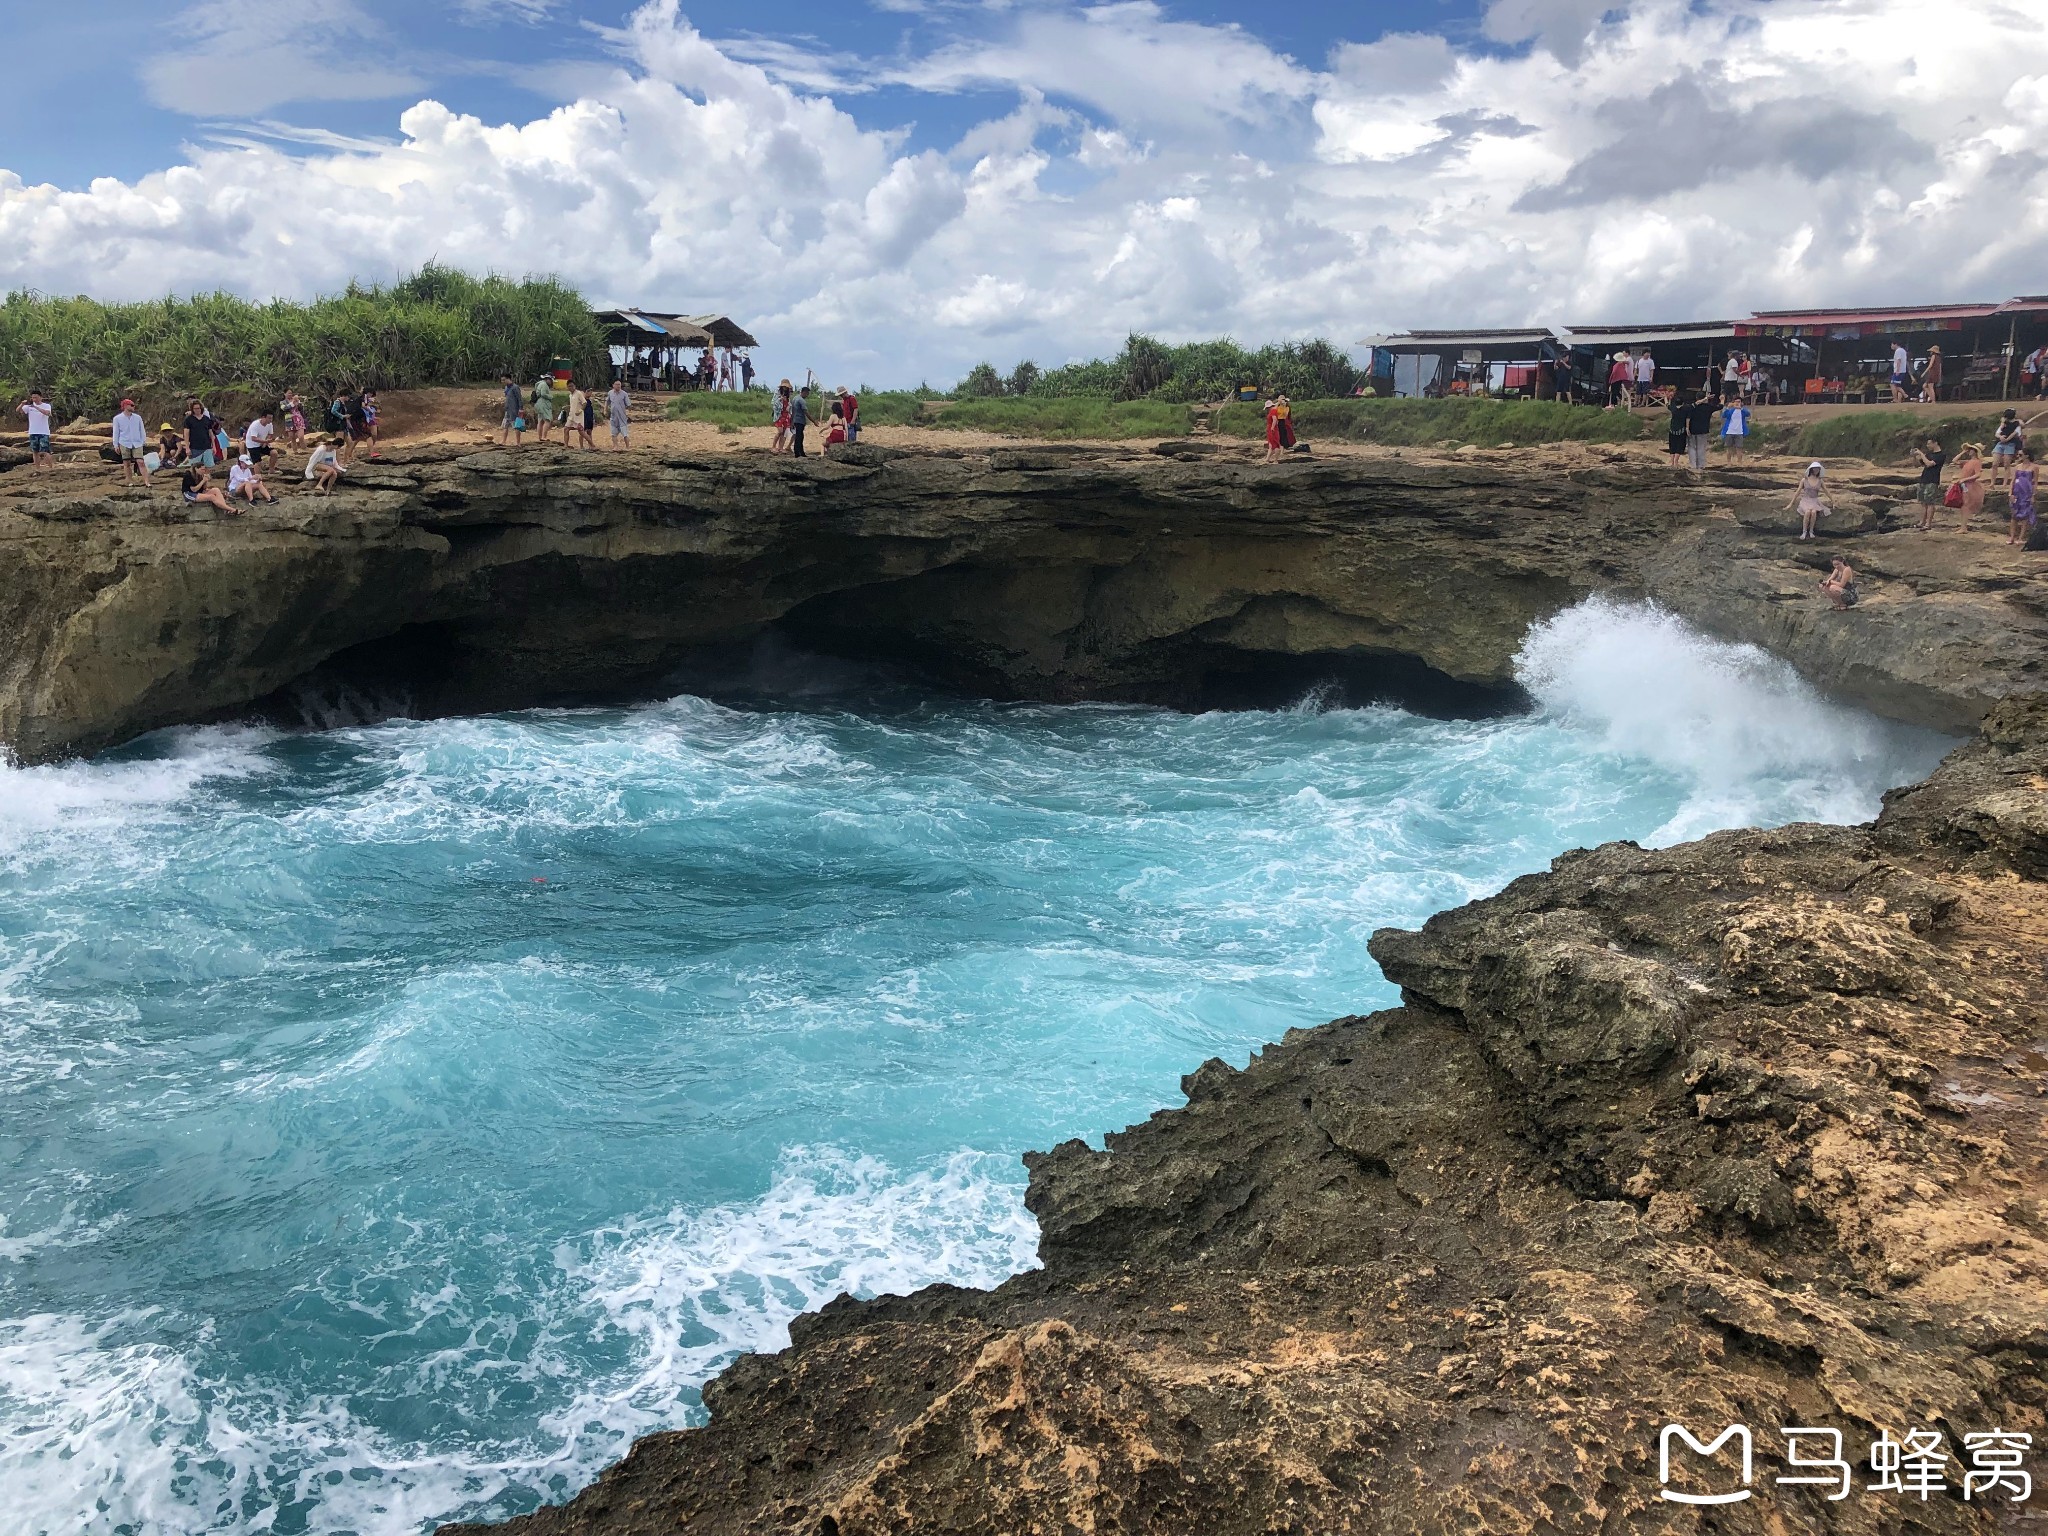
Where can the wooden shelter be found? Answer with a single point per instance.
(654, 344)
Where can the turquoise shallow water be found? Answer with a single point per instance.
(396, 1120)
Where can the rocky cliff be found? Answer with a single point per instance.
(1746, 1132)
(450, 580)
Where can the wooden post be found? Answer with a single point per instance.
(2012, 338)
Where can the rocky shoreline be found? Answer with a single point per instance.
(1747, 1131)
(450, 580)
(1744, 1131)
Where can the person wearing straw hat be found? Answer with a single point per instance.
(131, 444)
(1930, 376)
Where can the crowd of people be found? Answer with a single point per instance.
(201, 443)
(791, 418)
(562, 410)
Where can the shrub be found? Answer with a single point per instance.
(439, 326)
(1416, 423)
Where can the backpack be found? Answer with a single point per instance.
(1954, 498)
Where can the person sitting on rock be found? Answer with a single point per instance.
(198, 488)
(243, 481)
(1840, 584)
(323, 466)
(170, 447)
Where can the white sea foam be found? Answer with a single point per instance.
(99, 800)
(1755, 744)
(111, 1430)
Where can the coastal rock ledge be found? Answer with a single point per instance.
(450, 580)
(1747, 1131)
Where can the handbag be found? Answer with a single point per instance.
(1954, 498)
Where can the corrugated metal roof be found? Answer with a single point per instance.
(1848, 317)
(1460, 338)
(1615, 335)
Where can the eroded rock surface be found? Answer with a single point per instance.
(1744, 1131)
(457, 581)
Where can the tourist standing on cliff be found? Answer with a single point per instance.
(37, 412)
(1646, 376)
(1699, 429)
(2034, 374)
(799, 418)
(849, 407)
(199, 433)
(575, 420)
(515, 414)
(1930, 377)
(544, 408)
(1902, 372)
(1735, 422)
(1810, 499)
(782, 397)
(746, 371)
(131, 443)
(1970, 476)
(615, 404)
(1620, 378)
(294, 419)
(2022, 500)
(1931, 458)
(1675, 430)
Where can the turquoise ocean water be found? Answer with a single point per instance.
(396, 1120)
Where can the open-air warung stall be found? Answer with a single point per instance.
(1852, 347)
(650, 345)
(1430, 364)
(1689, 354)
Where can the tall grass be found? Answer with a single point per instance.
(1880, 436)
(1070, 417)
(1083, 417)
(1421, 423)
(439, 326)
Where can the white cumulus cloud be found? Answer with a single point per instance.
(1667, 159)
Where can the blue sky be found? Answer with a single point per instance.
(511, 60)
(897, 189)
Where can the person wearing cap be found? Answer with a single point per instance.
(243, 481)
(131, 443)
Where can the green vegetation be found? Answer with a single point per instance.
(1881, 436)
(1073, 417)
(1424, 423)
(1027, 417)
(437, 327)
(1148, 369)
